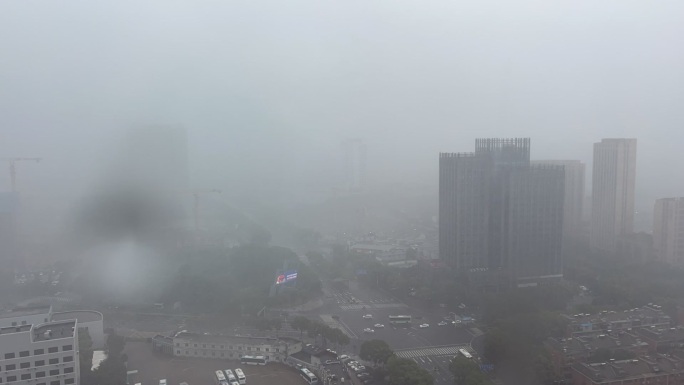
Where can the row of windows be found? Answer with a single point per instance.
(229, 347)
(38, 352)
(67, 381)
(24, 365)
(24, 322)
(213, 354)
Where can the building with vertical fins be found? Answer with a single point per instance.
(354, 165)
(574, 196)
(668, 230)
(500, 217)
(613, 184)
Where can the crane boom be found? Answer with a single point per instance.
(13, 170)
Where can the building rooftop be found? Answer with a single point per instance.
(26, 311)
(584, 345)
(646, 315)
(642, 368)
(213, 338)
(54, 330)
(15, 329)
(79, 315)
(660, 334)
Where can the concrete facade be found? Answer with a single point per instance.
(187, 344)
(613, 185)
(40, 354)
(500, 214)
(26, 316)
(575, 194)
(668, 230)
(89, 320)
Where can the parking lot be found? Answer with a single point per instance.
(151, 368)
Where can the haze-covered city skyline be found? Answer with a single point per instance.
(269, 91)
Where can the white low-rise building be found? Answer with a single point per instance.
(186, 344)
(40, 354)
(26, 316)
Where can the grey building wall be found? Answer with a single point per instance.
(613, 184)
(668, 230)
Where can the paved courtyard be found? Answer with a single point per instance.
(152, 367)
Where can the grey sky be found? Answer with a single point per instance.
(268, 89)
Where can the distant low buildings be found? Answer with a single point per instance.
(652, 315)
(656, 369)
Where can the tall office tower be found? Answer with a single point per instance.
(613, 183)
(500, 213)
(9, 204)
(354, 165)
(574, 195)
(668, 230)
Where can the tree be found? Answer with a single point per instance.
(112, 371)
(467, 372)
(85, 349)
(376, 351)
(403, 371)
(302, 324)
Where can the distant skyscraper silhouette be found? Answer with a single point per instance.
(613, 184)
(354, 165)
(668, 230)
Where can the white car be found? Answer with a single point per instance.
(443, 323)
(368, 330)
(379, 326)
(423, 326)
(368, 316)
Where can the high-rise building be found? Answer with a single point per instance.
(613, 184)
(354, 165)
(574, 195)
(668, 230)
(497, 212)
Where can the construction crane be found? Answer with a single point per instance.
(196, 196)
(13, 170)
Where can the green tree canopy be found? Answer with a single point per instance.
(376, 351)
(403, 371)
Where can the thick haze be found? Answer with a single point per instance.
(268, 89)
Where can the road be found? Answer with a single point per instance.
(432, 347)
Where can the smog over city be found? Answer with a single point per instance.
(376, 193)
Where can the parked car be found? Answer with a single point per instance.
(343, 357)
(443, 323)
(379, 326)
(368, 316)
(368, 330)
(423, 326)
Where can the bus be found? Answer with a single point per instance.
(253, 360)
(220, 378)
(309, 377)
(399, 319)
(465, 353)
(230, 376)
(240, 376)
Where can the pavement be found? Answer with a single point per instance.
(432, 347)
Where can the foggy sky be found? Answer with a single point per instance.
(269, 89)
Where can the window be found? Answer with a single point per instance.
(11, 378)
(9, 355)
(213, 346)
(68, 359)
(186, 344)
(204, 345)
(23, 322)
(54, 372)
(38, 352)
(54, 382)
(177, 351)
(53, 361)
(67, 348)
(222, 355)
(258, 349)
(10, 367)
(40, 374)
(42, 383)
(25, 365)
(40, 363)
(14, 324)
(26, 376)
(68, 370)
(195, 345)
(69, 381)
(53, 350)
(25, 353)
(44, 319)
